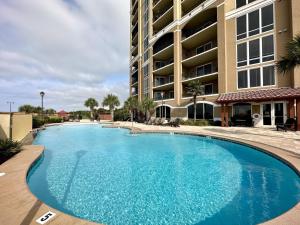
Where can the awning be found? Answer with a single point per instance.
(260, 95)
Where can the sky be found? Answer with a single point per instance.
(70, 49)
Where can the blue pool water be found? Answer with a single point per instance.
(108, 176)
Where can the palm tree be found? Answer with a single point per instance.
(27, 108)
(112, 101)
(147, 106)
(131, 104)
(292, 59)
(91, 103)
(195, 88)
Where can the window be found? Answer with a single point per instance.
(240, 3)
(255, 77)
(267, 18)
(243, 79)
(253, 25)
(203, 70)
(268, 48)
(268, 76)
(204, 48)
(242, 54)
(254, 52)
(203, 111)
(146, 56)
(208, 89)
(146, 43)
(241, 27)
(258, 77)
(256, 22)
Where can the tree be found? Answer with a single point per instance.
(292, 59)
(147, 106)
(27, 108)
(112, 101)
(91, 103)
(195, 88)
(50, 111)
(131, 104)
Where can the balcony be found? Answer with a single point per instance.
(210, 88)
(163, 67)
(188, 5)
(134, 91)
(201, 58)
(163, 83)
(161, 4)
(164, 42)
(167, 96)
(165, 53)
(134, 7)
(134, 40)
(162, 19)
(134, 18)
(194, 31)
(134, 51)
(204, 35)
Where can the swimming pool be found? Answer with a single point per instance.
(109, 176)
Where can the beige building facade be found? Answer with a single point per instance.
(19, 125)
(230, 46)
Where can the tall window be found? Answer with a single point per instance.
(243, 79)
(253, 24)
(268, 48)
(240, 3)
(257, 77)
(254, 51)
(241, 27)
(203, 111)
(260, 50)
(256, 22)
(204, 69)
(242, 54)
(268, 75)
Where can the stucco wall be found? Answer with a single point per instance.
(21, 126)
(4, 126)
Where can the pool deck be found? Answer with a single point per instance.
(18, 206)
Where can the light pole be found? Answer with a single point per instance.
(10, 119)
(162, 104)
(42, 94)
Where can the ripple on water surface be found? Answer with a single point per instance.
(108, 176)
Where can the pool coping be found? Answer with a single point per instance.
(19, 206)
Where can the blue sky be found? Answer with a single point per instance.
(70, 49)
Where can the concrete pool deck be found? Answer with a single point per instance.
(18, 206)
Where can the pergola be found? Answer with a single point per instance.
(291, 95)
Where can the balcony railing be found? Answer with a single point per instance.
(167, 95)
(200, 49)
(162, 81)
(162, 46)
(161, 64)
(189, 32)
(204, 72)
(161, 13)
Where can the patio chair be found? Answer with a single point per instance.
(290, 124)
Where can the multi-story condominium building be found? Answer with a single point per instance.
(230, 46)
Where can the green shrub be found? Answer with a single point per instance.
(121, 115)
(197, 123)
(37, 122)
(8, 148)
(54, 120)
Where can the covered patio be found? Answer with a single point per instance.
(272, 106)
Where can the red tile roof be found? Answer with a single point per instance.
(260, 95)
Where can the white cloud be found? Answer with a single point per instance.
(72, 51)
